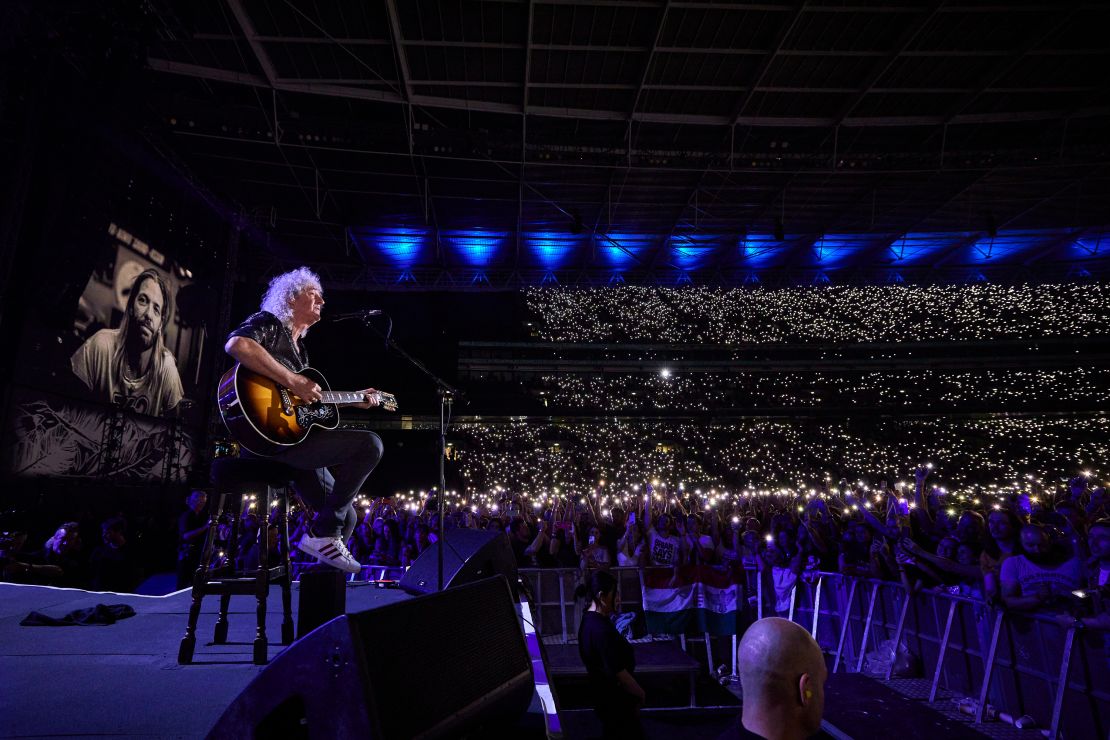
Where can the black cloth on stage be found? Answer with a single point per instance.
(99, 614)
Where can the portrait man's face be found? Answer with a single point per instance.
(147, 310)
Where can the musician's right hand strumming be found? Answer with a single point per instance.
(306, 389)
(254, 356)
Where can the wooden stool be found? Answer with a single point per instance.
(232, 477)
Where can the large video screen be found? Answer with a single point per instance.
(109, 395)
(135, 351)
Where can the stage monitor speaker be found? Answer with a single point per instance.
(432, 666)
(470, 555)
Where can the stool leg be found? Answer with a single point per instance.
(262, 578)
(189, 641)
(286, 582)
(220, 636)
(200, 581)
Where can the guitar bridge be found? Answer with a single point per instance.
(286, 401)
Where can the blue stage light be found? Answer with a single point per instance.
(401, 247)
(553, 250)
(475, 247)
(834, 250)
(692, 251)
(760, 250)
(624, 250)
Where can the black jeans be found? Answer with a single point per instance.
(351, 454)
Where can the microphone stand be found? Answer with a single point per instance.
(447, 395)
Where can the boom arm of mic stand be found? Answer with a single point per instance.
(447, 395)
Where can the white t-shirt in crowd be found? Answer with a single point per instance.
(664, 548)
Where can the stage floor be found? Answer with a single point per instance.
(124, 679)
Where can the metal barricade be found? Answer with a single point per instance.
(1012, 664)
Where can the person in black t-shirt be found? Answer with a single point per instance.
(609, 661)
(332, 464)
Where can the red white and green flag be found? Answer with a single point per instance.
(693, 598)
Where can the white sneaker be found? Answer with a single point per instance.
(330, 551)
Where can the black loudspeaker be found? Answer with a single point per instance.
(470, 555)
(431, 666)
(321, 597)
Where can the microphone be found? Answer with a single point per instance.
(362, 313)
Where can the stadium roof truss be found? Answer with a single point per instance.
(421, 143)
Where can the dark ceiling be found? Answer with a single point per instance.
(422, 143)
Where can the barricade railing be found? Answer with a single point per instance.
(1010, 664)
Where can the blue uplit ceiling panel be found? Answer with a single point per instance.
(400, 247)
(989, 250)
(921, 246)
(623, 251)
(692, 251)
(1091, 244)
(761, 250)
(836, 250)
(476, 247)
(554, 250)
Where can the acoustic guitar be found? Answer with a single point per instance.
(266, 417)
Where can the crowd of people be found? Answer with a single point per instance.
(1034, 547)
(831, 314)
(887, 389)
(543, 458)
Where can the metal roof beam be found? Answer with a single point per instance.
(1007, 64)
(399, 50)
(650, 59)
(765, 65)
(340, 91)
(908, 36)
(251, 35)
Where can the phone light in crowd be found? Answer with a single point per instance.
(950, 512)
(928, 466)
(474, 509)
(769, 538)
(855, 508)
(665, 372)
(801, 509)
(493, 507)
(997, 507)
(735, 520)
(605, 512)
(1079, 594)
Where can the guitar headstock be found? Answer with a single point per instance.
(387, 401)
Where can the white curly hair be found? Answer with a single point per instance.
(284, 288)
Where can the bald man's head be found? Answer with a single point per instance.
(782, 671)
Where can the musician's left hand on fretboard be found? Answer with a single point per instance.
(372, 399)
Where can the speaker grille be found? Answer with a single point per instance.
(463, 648)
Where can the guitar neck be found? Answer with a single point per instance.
(342, 397)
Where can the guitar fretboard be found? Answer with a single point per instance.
(342, 397)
